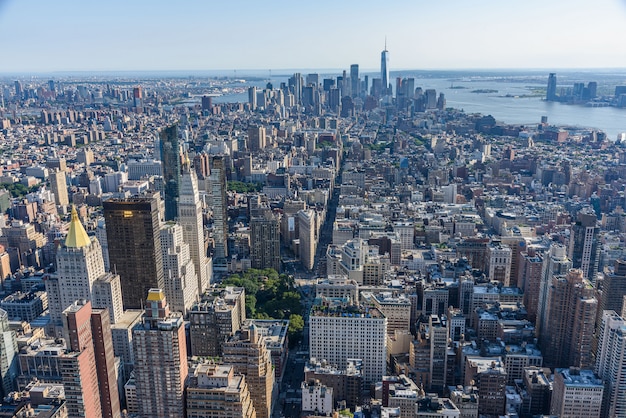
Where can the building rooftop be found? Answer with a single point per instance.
(573, 377)
(77, 236)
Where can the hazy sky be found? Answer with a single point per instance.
(67, 35)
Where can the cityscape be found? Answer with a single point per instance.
(353, 243)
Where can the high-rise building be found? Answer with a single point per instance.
(134, 239)
(256, 138)
(295, 85)
(179, 273)
(78, 369)
(586, 250)
(529, 279)
(58, 186)
(341, 332)
(207, 102)
(265, 241)
(611, 363)
(247, 352)
(105, 363)
(8, 356)
(79, 265)
(571, 318)
(614, 288)
(19, 91)
(252, 97)
(438, 336)
(106, 293)
(190, 218)
(354, 80)
(215, 319)
(160, 359)
(551, 90)
(137, 97)
(170, 159)
(555, 262)
(384, 71)
(576, 393)
(219, 205)
(307, 234)
(214, 390)
(122, 333)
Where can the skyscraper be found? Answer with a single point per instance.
(102, 340)
(551, 90)
(614, 288)
(179, 274)
(354, 80)
(190, 218)
(252, 97)
(571, 318)
(8, 359)
(610, 363)
(59, 188)
(307, 233)
(79, 265)
(78, 367)
(554, 263)
(219, 206)
(247, 352)
(134, 238)
(160, 359)
(265, 241)
(586, 251)
(384, 70)
(170, 161)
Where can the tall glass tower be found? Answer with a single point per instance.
(551, 91)
(384, 70)
(170, 161)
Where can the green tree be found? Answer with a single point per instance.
(296, 323)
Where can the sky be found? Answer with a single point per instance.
(155, 35)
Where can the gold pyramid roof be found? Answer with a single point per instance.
(77, 236)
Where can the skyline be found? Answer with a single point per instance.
(152, 36)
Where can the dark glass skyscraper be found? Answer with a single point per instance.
(134, 239)
(551, 91)
(384, 70)
(170, 163)
(354, 80)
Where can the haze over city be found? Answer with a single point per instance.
(43, 36)
(283, 209)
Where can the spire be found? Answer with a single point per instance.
(77, 236)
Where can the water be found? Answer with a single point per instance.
(510, 104)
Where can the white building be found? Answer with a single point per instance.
(317, 398)
(611, 363)
(79, 264)
(181, 283)
(340, 332)
(190, 218)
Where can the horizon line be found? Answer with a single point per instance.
(276, 72)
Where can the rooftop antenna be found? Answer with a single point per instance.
(385, 42)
